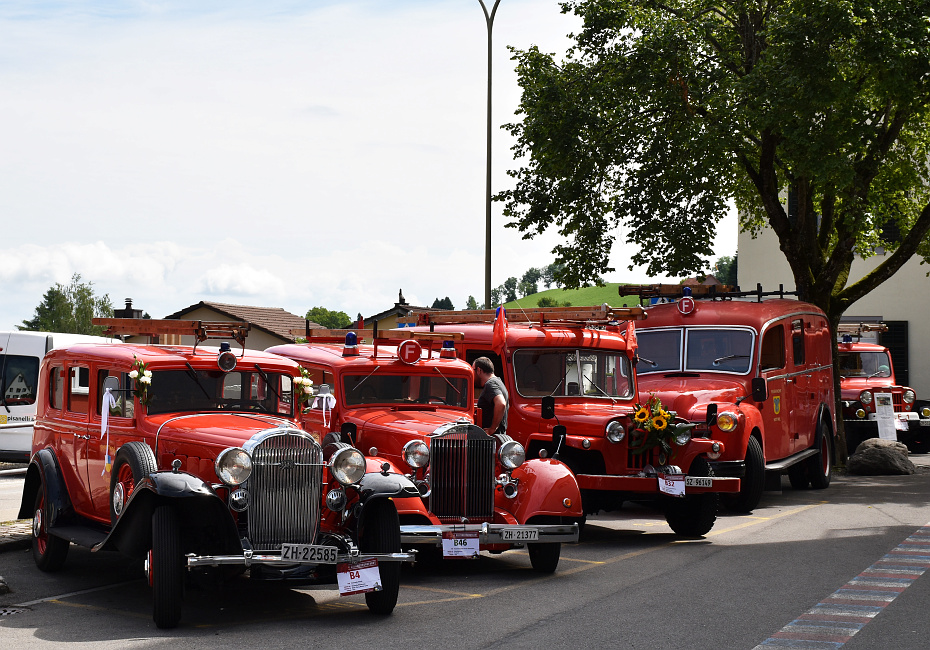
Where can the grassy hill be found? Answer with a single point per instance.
(585, 297)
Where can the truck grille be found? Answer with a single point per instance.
(462, 473)
(285, 490)
(639, 461)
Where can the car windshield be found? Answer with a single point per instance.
(19, 380)
(377, 388)
(864, 364)
(705, 350)
(213, 390)
(572, 373)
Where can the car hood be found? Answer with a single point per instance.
(413, 421)
(689, 396)
(850, 387)
(215, 430)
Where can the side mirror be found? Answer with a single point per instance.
(711, 414)
(760, 390)
(348, 432)
(548, 408)
(558, 434)
(111, 383)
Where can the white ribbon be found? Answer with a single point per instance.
(326, 401)
(108, 402)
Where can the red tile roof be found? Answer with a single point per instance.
(274, 320)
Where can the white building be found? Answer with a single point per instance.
(901, 302)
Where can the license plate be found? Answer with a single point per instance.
(520, 534)
(698, 481)
(925, 423)
(309, 553)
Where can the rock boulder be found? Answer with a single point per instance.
(876, 457)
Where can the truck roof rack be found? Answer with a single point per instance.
(541, 315)
(376, 338)
(858, 329)
(201, 330)
(705, 291)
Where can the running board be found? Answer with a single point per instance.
(785, 463)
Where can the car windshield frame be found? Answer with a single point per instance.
(572, 372)
(206, 390)
(725, 355)
(874, 369)
(391, 388)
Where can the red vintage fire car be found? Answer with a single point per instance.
(193, 459)
(866, 373)
(573, 395)
(412, 405)
(756, 374)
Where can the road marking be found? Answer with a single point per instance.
(841, 615)
(76, 593)
(759, 520)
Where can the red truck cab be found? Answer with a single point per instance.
(756, 374)
(408, 399)
(866, 377)
(573, 395)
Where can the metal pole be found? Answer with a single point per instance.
(489, 19)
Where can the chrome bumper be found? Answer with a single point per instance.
(487, 533)
(248, 558)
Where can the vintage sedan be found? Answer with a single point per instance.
(412, 405)
(192, 459)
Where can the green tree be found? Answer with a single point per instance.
(664, 113)
(333, 320)
(471, 303)
(445, 303)
(509, 289)
(70, 309)
(529, 283)
(725, 270)
(547, 301)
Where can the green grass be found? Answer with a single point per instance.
(586, 297)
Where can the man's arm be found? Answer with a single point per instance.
(500, 405)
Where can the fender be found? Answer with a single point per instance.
(544, 485)
(197, 505)
(383, 483)
(44, 469)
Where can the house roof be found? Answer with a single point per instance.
(273, 320)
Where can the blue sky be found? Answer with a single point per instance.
(286, 154)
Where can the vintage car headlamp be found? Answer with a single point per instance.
(727, 421)
(615, 431)
(925, 412)
(239, 500)
(347, 465)
(233, 466)
(715, 450)
(336, 500)
(865, 397)
(511, 454)
(226, 359)
(860, 413)
(682, 437)
(416, 453)
(909, 396)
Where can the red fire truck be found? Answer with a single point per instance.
(756, 374)
(866, 378)
(573, 396)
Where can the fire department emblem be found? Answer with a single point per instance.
(776, 403)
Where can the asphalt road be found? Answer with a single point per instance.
(630, 583)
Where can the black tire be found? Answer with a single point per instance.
(381, 534)
(167, 568)
(134, 461)
(820, 466)
(544, 557)
(48, 551)
(797, 476)
(693, 516)
(752, 483)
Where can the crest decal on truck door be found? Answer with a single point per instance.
(776, 403)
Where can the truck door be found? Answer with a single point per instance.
(317, 420)
(120, 430)
(74, 434)
(772, 367)
(799, 391)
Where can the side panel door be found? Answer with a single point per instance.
(800, 388)
(776, 438)
(73, 435)
(120, 430)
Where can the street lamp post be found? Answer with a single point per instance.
(489, 19)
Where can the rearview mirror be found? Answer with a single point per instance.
(558, 434)
(711, 414)
(548, 407)
(348, 432)
(760, 390)
(111, 383)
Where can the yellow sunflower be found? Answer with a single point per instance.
(642, 414)
(659, 423)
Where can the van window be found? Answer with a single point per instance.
(80, 389)
(797, 342)
(20, 379)
(471, 355)
(124, 401)
(56, 387)
(773, 348)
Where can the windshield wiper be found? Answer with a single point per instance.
(730, 356)
(355, 388)
(604, 392)
(649, 361)
(268, 382)
(457, 391)
(193, 374)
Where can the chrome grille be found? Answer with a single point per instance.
(462, 474)
(897, 400)
(285, 490)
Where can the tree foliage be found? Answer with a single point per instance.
(444, 303)
(725, 270)
(334, 320)
(471, 303)
(70, 309)
(664, 112)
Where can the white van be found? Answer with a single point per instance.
(20, 354)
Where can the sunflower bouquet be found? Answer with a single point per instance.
(655, 427)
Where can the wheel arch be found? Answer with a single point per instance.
(44, 469)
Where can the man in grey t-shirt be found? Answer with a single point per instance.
(494, 399)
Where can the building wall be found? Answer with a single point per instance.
(901, 298)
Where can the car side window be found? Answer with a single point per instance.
(124, 400)
(797, 342)
(773, 348)
(56, 387)
(79, 390)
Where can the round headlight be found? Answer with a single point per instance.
(865, 397)
(347, 465)
(416, 453)
(925, 412)
(682, 437)
(909, 396)
(615, 431)
(226, 360)
(512, 454)
(860, 413)
(234, 466)
(715, 450)
(727, 421)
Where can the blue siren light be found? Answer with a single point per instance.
(351, 338)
